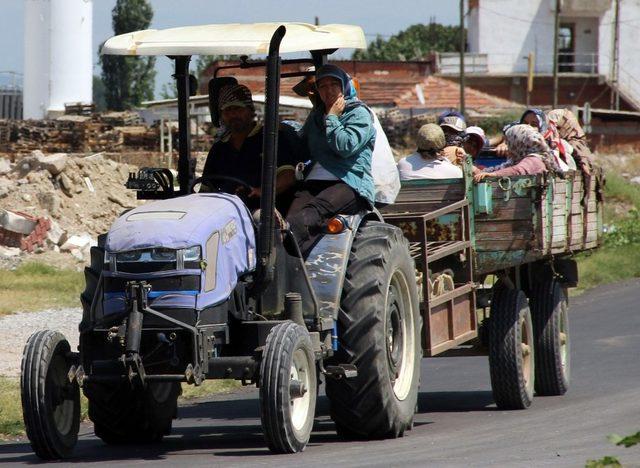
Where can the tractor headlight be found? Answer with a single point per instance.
(192, 254)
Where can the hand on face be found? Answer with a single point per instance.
(337, 107)
(330, 91)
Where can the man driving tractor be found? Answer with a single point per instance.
(238, 154)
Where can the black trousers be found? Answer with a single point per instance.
(315, 203)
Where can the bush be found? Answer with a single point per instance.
(626, 231)
(492, 125)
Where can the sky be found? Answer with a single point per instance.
(374, 16)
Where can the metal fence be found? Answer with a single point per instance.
(10, 103)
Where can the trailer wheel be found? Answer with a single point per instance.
(549, 308)
(125, 415)
(511, 350)
(50, 403)
(288, 388)
(379, 328)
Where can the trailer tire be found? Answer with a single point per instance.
(379, 330)
(511, 350)
(125, 415)
(287, 419)
(50, 403)
(551, 333)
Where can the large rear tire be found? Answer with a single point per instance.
(379, 329)
(288, 388)
(549, 308)
(50, 403)
(511, 350)
(125, 415)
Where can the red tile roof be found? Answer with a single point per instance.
(388, 84)
(440, 93)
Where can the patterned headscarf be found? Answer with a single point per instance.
(524, 140)
(546, 128)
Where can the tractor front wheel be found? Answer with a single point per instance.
(288, 388)
(50, 402)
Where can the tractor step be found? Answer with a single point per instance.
(341, 371)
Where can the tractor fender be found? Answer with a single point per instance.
(326, 265)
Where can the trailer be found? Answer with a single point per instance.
(493, 264)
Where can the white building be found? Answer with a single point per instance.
(502, 33)
(58, 56)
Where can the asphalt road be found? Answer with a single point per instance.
(457, 423)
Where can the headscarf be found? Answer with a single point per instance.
(329, 70)
(546, 128)
(523, 141)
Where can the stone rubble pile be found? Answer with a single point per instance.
(59, 202)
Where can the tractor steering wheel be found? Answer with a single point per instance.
(242, 188)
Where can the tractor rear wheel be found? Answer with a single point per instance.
(379, 329)
(288, 388)
(549, 308)
(50, 403)
(124, 415)
(511, 350)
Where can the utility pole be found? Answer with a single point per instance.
(555, 54)
(462, 49)
(615, 62)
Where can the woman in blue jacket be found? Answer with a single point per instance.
(339, 135)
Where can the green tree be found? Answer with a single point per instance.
(414, 43)
(128, 80)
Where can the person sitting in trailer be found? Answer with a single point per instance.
(453, 125)
(561, 149)
(570, 131)
(340, 135)
(473, 142)
(238, 154)
(429, 160)
(529, 154)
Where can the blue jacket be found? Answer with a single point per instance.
(344, 145)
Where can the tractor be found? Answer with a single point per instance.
(190, 286)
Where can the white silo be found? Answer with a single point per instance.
(71, 74)
(36, 58)
(58, 55)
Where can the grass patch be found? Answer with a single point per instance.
(11, 424)
(208, 387)
(607, 265)
(36, 286)
(618, 188)
(619, 258)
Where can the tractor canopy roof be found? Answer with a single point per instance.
(235, 39)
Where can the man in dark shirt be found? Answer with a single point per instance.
(239, 153)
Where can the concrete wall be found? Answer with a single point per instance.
(509, 30)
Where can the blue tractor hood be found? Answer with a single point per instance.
(219, 223)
